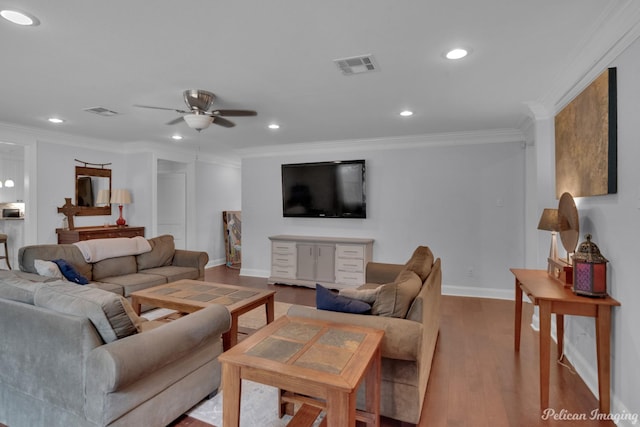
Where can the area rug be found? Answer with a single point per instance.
(257, 318)
(258, 407)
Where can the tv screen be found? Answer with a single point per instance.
(326, 189)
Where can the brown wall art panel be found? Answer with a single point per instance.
(586, 141)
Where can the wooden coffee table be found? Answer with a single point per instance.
(187, 296)
(320, 364)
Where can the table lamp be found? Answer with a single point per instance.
(120, 197)
(549, 222)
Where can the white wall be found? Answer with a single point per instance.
(614, 222)
(466, 202)
(56, 180)
(217, 189)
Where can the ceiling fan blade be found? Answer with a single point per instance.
(175, 121)
(162, 108)
(217, 120)
(236, 113)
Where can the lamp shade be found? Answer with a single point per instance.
(549, 220)
(103, 197)
(120, 197)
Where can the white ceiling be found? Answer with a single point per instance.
(276, 57)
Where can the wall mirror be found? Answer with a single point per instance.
(89, 182)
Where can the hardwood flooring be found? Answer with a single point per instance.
(477, 379)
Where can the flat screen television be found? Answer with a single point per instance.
(324, 189)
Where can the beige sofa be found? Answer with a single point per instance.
(124, 274)
(409, 343)
(70, 357)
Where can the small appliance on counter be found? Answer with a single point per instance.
(14, 210)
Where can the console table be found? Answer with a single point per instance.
(335, 262)
(551, 296)
(88, 233)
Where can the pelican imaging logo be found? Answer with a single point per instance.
(564, 415)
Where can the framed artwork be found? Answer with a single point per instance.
(586, 140)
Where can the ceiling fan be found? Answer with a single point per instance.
(199, 117)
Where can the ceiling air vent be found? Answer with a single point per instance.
(356, 65)
(101, 111)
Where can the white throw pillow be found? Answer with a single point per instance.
(48, 269)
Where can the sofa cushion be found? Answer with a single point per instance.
(327, 300)
(70, 273)
(106, 310)
(366, 295)
(70, 253)
(420, 262)
(173, 273)
(135, 282)
(114, 267)
(161, 254)
(47, 269)
(394, 299)
(16, 288)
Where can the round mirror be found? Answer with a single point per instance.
(568, 223)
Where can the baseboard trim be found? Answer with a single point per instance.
(465, 291)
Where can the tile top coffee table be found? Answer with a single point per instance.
(187, 296)
(320, 364)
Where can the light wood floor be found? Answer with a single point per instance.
(477, 379)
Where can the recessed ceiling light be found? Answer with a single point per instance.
(274, 126)
(55, 120)
(20, 18)
(457, 53)
(176, 137)
(406, 113)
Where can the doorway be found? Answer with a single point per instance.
(172, 201)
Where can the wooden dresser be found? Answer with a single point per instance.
(88, 233)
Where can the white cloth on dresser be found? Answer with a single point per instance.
(98, 249)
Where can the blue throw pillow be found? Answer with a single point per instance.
(70, 273)
(327, 300)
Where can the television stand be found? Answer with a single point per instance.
(333, 262)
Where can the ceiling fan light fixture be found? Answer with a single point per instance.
(198, 121)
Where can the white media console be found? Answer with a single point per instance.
(333, 262)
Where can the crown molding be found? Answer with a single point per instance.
(496, 136)
(615, 30)
(180, 153)
(26, 135)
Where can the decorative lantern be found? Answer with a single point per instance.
(589, 270)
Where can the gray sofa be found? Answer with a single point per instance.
(124, 274)
(60, 368)
(409, 343)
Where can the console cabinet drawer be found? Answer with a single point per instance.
(283, 248)
(350, 264)
(284, 272)
(349, 278)
(283, 259)
(350, 251)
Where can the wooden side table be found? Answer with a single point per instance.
(552, 297)
(321, 363)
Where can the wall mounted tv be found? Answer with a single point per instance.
(324, 189)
